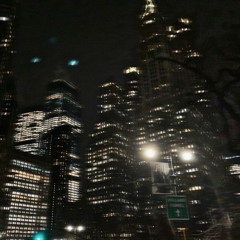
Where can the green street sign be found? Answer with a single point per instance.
(177, 207)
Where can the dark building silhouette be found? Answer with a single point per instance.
(7, 88)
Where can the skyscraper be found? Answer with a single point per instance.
(24, 196)
(110, 168)
(7, 102)
(63, 127)
(176, 101)
(7, 35)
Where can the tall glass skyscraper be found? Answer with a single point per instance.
(63, 127)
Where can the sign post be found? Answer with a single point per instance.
(177, 207)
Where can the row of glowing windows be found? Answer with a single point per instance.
(195, 188)
(24, 175)
(132, 70)
(20, 205)
(110, 94)
(117, 214)
(29, 147)
(100, 176)
(29, 166)
(109, 196)
(104, 170)
(17, 217)
(25, 222)
(73, 184)
(101, 179)
(62, 97)
(24, 185)
(97, 162)
(59, 120)
(109, 84)
(115, 235)
(16, 195)
(109, 200)
(102, 188)
(110, 150)
(104, 125)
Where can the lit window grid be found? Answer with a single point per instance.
(29, 126)
(27, 212)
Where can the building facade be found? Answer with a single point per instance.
(24, 196)
(109, 172)
(7, 89)
(178, 114)
(63, 128)
(29, 131)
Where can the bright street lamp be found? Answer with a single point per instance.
(150, 152)
(186, 155)
(75, 229)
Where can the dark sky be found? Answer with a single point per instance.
(102, 35)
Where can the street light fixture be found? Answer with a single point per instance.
(186, 155)
(75, 229)
(159, 169)
(150, 152)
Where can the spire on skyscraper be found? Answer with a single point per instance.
(150, 7)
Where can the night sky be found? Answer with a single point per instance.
(103, 36)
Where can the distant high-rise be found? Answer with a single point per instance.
(24, 196)
(7, 103)
(109, 169)
(178, 111)
(63, 127)
(29, 131)
(7, 35)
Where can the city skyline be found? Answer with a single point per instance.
(119, 120)
(101, 35)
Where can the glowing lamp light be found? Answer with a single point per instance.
(150, 152)
(73, 62)
(4, 19)
(69, 228)
(187, 155)
(80, 228)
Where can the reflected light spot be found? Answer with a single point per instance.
(73, 62)
(35, 60)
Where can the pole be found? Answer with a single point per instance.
(75, 233)
(173, 176)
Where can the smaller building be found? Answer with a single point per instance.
(24, 200)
